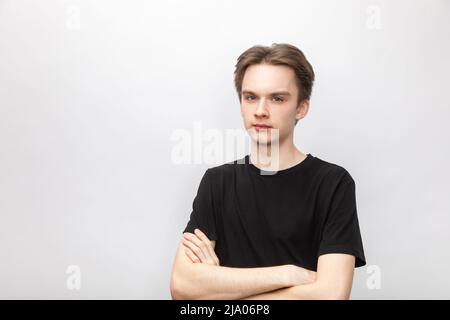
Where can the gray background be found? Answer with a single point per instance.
(91, 92)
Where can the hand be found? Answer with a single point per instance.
(199, 248)
(298, 275)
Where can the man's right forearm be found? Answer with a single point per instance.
(203, 281)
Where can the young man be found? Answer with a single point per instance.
(278, 224)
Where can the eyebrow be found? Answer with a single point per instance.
(278, 93)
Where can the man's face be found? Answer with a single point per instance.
(269, 97)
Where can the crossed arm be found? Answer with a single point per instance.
(197, 274)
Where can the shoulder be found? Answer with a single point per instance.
(226, 169)
(218, 178)
(331, 171)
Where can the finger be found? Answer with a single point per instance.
(200, 244)
(195, 249)
(202, 236)
(191, 255)
(206, 246)
(206, 240)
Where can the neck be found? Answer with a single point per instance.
(275, 156)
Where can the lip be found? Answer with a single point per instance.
(261, 126)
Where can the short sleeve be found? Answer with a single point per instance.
(202, 214)
(341, 232)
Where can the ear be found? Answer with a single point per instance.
(302, 109)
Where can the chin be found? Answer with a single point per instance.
(258, 137)
(261, 140)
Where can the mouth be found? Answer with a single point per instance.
(258, 127)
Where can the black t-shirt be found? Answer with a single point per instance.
(267, 218)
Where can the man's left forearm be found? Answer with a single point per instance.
(311, 291)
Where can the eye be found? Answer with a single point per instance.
(249, 98)
(278, 99)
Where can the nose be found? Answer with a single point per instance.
(261, 109)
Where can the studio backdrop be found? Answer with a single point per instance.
(97, 98)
